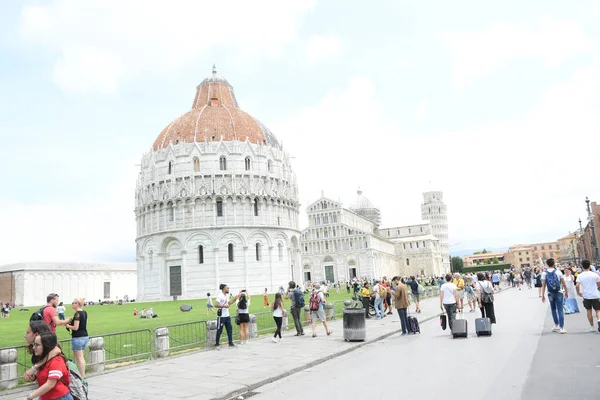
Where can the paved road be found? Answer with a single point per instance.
(512, 364)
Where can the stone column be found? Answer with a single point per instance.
(96, 355)
(252, 327)
(183, 273)
(8, 369)
(307, 320)
(329, 312)
(271, 266)
(246, 267)
(161, 342)
(211, 333)
(216, 250)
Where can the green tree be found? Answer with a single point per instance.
(495, 260)
(457, 264)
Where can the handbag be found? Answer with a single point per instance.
(443, 321)
(486, 298)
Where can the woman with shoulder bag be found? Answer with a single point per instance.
(485, 296)
(79, 334)
(53, 376)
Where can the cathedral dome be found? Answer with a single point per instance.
(362, 202)
(215, 116)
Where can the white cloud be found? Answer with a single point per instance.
(476, 54)
(320, 48)
(505, 183)
(99, 44)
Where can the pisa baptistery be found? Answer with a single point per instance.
(216, 202)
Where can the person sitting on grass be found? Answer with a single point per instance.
(143, 313)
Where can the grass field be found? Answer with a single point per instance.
(114, 318)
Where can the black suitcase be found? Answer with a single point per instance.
(483, 326)
(413, 325)
(459, 328)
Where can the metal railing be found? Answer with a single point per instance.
(187, 335)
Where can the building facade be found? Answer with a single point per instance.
(342, 244)
(520, 256)
(485, 258)
(543, 251)
(28, 284)
(216, 202)
(569, 252)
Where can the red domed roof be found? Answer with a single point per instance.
(214, 116)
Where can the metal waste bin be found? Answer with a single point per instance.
(355, 329)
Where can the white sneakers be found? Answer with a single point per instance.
(274, 340)
(563, 331)
(556, 328)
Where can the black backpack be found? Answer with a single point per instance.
(38, 315)
(298, 298)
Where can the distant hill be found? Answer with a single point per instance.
(468, 252)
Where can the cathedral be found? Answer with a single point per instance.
(216, 201)
(342, 244)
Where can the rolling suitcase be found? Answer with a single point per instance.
(413, 325)
(483, 327)
(459, 328)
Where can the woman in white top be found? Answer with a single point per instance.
(60, 310)
(485, 286)
(571, 301)
(278, 312)
(449, 299)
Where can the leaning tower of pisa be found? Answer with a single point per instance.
(434, 210)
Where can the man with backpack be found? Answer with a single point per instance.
(554, 280)
(48, 313)
(317, 311)
(295, 294)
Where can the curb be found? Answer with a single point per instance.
(249, 388)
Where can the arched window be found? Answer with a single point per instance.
(170, 167)
(196, 164)
(248, 163)
(258, 251)
(219, 208)
(171, 211)
(150, 259)
(230, 252)
(256, 207)
(407, 261)
(280, 250)
(269, 165)
(223, 163)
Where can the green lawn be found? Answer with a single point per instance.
(114, 318)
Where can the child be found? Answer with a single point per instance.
(209, 304)
(135, 312)
(265, 299)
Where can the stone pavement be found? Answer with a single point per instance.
(224, 374)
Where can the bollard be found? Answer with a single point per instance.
(96, 355)
(8, 369)
(211, 333)
(307, 318)
(347, 303)
(252, 327)
(284, 325)
(161, 342)
(329, 312)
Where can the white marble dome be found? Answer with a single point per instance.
(216, 202)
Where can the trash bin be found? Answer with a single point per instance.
(355, 329)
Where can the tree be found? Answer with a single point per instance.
(484, 251)
(495, 260)
(457, 264)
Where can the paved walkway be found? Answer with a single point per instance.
(223, 374)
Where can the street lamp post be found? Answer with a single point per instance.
(593, 232)
(582, 237)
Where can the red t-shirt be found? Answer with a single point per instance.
(49, 312)
(54, 369)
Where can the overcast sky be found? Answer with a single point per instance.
(496, 105)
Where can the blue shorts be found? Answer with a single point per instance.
(79, 343)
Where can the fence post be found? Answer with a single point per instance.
(8, 369)
(252, 327)
(307, 318)
(211, 333)
(329, 311)
(161, 342)
(96, 355)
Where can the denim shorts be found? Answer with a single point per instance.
(79, 343)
